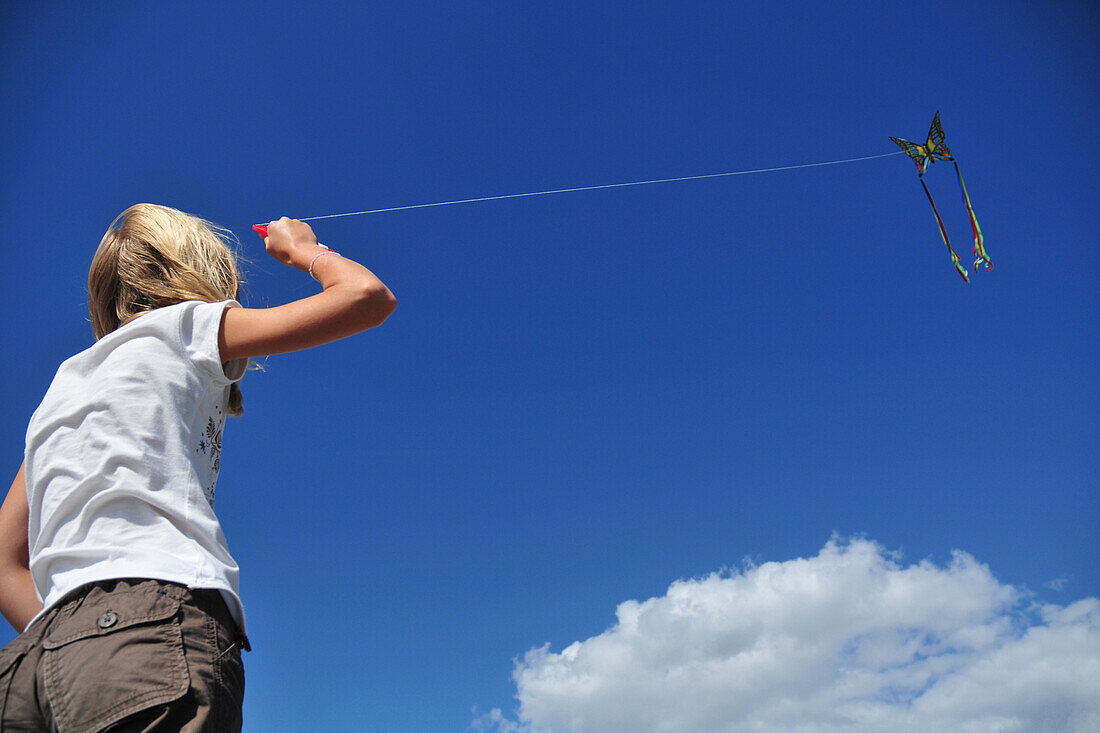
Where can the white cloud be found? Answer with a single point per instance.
(849, 640)
(1058, 584)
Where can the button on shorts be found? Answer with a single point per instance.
(126, 656)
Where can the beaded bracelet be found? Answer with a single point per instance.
(318, 256)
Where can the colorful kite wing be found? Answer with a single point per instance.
(935, 145)
(914, 151)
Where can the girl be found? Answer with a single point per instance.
(112, 560)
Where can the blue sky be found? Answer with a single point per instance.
(585, 397)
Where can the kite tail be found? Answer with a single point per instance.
(980, 254)
(943, 233)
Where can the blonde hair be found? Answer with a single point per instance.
(155, 256)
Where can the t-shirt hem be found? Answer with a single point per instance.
(232, 600)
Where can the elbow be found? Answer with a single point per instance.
(375, 304)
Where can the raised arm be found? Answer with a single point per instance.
(352, 300)
(18, 600)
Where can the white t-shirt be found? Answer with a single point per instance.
(123, 455)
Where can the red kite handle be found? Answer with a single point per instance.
(260, 229)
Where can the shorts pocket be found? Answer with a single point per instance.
(10, 656)
(230, 693)
(116, 654)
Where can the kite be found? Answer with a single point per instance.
(935, 149)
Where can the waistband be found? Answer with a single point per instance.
(208, 600)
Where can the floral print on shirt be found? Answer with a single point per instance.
(210, 445)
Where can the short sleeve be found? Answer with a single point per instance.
(199, 326)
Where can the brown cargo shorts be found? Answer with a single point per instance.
(126, 656)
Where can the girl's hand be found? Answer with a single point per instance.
(291, 242)
(352, 299)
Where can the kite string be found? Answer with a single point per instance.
(606, 185)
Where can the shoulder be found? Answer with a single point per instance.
(200, 334)
(188, 331)
(188, 325)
